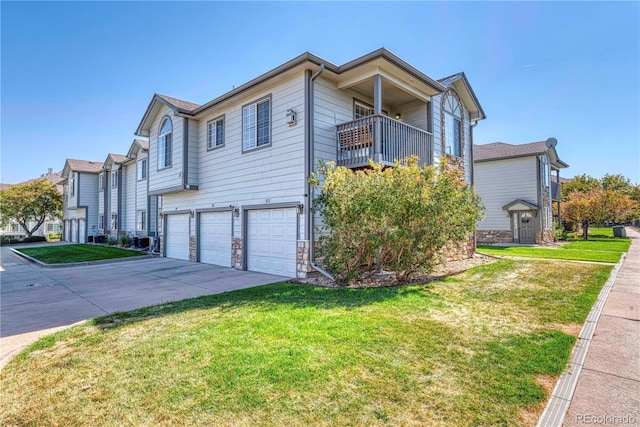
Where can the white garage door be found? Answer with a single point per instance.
(81, 229)
(271, 241)
(215, 238)
(74, 231)
(177, 237)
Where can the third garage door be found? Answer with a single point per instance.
(215, 238)
(271, 241)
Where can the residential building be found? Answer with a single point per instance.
(230, 175)
(80, 199)
(517, 189)
(13, 230)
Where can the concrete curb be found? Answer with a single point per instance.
(79, 264)
(558, 405)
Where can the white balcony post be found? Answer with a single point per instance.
(377, 110)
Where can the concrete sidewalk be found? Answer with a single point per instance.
(606, 362)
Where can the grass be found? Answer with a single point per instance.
(481, 348)
(64, 254)
(600, 247)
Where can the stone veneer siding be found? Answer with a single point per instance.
(236, 253)
(303, 263)
(192, 249)
(494, 236)
(544, 236)
(465, 250)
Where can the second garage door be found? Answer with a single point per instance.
(215, 238)
(271, 241)
(177, 236)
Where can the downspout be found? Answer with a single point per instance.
(472, 160)
(309, 151)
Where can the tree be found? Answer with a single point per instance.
(598, 205)
(396, 219)
(580, 183)
(31, 202)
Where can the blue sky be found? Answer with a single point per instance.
(77, 76)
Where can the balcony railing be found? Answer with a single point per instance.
(383, 140)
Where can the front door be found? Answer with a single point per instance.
(527, 234)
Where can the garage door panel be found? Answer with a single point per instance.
(177, 237)
(215, 238)
(271, 241)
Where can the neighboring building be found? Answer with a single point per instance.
(517, 189)
(110, 195)
(80, 199)
(230, 176)
(13, 230)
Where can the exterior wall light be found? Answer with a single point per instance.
(236, 212)
(300, 208)
(291, 117)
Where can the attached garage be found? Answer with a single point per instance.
(271, 241)
(81, 231)
(214, 238)
(176, 236)
(74, 230)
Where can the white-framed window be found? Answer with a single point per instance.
(453, 125)
(215, 133)
(165, 144)
(114, 179)
(54, 227)
(256, 124)
(363, 109)
(101, 182)
(114, 221)
(141, 220)
(72, 185)
(142, 169)
(15, 228)
(101, 222)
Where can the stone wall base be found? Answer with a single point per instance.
(494, 236)
(303, 259)
(192, 249)
(545, 236)
(465, 250)
(237, 260)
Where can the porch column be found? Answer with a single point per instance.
(377, 110)
(559, 197)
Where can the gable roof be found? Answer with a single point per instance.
(463, 88)
(136, 146)
(501, 150)
(84, 165)
(307, 59)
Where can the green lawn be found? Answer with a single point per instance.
(600, 249)
(481, 348)
(64, 254)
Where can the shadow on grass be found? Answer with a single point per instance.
(274, 295)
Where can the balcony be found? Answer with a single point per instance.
(383, 140)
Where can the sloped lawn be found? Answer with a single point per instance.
(481, 348)
(65, 254)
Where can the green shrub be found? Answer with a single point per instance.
(112, 241)
(396, 219)
(124, 241)
(55, 236)
(33, 239)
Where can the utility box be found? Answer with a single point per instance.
(619, 231)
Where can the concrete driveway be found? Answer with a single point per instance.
(36, 301)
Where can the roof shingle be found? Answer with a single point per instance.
(179, 103)
(84, 165)
(501, 150)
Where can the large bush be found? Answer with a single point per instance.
(396, 219)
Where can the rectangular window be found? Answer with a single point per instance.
(141, 223)
(142, 169)
(72, 185)
(53, 227)
(453, 135)
(215, 133)
(15, 228)
(361, 109)
(256, 124)
(101, 222)
(114, 179)
(114, 221)
(457, 142)
(101, 182)
(164, 150)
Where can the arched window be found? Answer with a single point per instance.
(165, 144)
(452, 125)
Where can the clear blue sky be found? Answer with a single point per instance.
(77, 77)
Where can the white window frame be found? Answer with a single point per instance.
(100, 222)
(114, 179)
(251, 128)
(215, 133)
(101, 182)
(72, 185)
(141, 220)
(165, 144)
(114, 221)
(142, 169)
(453, 119)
